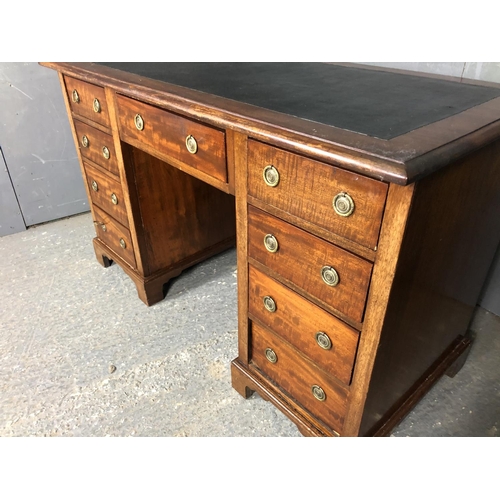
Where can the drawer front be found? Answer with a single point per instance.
(114, 235)
(97, 146)
(303, 259)
(324, 339)
(167, 133)
(87, 100)
(106, 193)
(297, 376)
(308, 189)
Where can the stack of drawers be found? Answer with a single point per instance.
(99, 162)
(312, 237)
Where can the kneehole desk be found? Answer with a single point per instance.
(364, 204)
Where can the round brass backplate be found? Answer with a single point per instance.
(95, 187)
(329, 276)
(139, 122)
(343, 205)
(122, 243)
(114, 199)
(96, 106)
(271, 355)
(75, 96)
(269, 303)
(271, 243)
(271, 175)
(105, 152)
(85, 141)
(191, 144)
(318, 392)
(323, 340)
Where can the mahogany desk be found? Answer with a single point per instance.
(364, 202)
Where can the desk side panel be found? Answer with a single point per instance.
(450, 241)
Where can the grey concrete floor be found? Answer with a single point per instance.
(81, 355)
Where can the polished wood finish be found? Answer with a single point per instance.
(97, 140)
(411, 257)
(167, 133)
(300, 259)
(441, 270)
(297, 321)
(307, 189)
(85, 101)
(296, 375)
(181, 215)
(114, 235)
(106, 193)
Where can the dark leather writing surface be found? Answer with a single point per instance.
(375, 103)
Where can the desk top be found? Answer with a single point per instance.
(393, 126)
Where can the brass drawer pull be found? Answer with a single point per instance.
(85, 141)
(96, 106)
(269, 304)
(330, 276)
(271, 243)
(343, 204)
(191, 144)
(114, 199)
(95, 186)
(271, 176)
(318, 392)
(271, 355)
(105, 152)
(75, 96)
(139, 122)
(122, 243)
(323, 340)
(101, 225)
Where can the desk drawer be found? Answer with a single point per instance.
(307, 261)
(308, 188)
(87, 100)
(298, 321)
(97, 146)
(167, 133)
(114, 235)
(106, 193)
(298, 377)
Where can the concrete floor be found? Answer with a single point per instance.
(81, 355)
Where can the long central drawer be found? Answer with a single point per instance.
(195, 144)
(333, 276)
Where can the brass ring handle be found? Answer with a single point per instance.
(95, 186)
(114, 199)
(323, 340)
(191, 144)
(271, 243)
(269, 303)
(271, 176)
(85, 141)
(105, 152)
(330, 276)
(75, 96)
(122, 243)
(318, 392)
(103, 227)
(271, 355)
(139, 122)
(343, 205)
(96, 106)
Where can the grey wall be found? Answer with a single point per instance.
(11, 220)
(38, 148)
